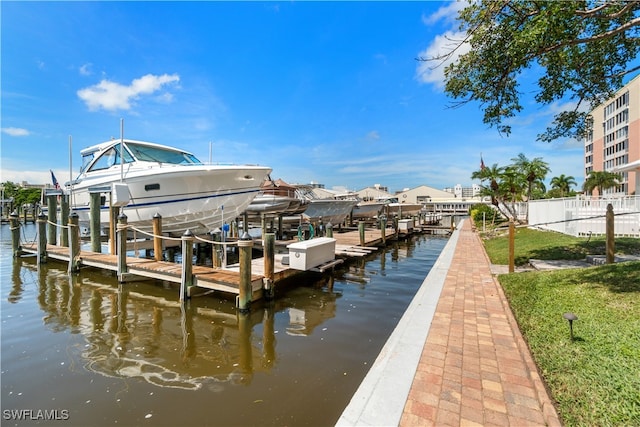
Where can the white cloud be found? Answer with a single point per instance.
(16, 131)
(374, 134)
(432, 70)
(114, 96)
(85, 69)
(448, 13)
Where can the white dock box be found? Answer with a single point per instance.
(405, 225)
(308, 254)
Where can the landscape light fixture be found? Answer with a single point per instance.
(570, 317)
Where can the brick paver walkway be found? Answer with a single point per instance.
(475, 367)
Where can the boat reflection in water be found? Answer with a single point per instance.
(141, 331)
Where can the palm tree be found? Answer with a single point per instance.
(600, 181)
(563, 183)
(534, 171)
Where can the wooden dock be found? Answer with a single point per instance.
(226, 280)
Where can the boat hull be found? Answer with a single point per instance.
(199, 198)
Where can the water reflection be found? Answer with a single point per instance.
(142, 331)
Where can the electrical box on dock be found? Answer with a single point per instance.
(120, 194)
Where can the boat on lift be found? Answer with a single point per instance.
(160, 179)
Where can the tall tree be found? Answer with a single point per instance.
(581, 48)
(600, 181)
(563, 183)
(534, 171)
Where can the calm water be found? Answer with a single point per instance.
(91, 352)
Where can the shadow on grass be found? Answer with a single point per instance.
(621, 277)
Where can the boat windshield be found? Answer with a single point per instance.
(161, 155)
(107, 159)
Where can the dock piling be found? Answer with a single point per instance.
(52, 206)
(157, 240)
(64, 220)
(94, 222)
(14, 221)
(186, 280)
(74, 243)
(361, 225)
(269, 259)
(245, 245)
(42, 238)
(121, 237)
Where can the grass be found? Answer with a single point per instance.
(549, 245)
(594, 378)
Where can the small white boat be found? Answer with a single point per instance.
(188, 194)
(368, 210)
(393, 207)
(332, 210)
(277, 198)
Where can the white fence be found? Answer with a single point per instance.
(582, 216)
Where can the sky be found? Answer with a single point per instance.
(323, 92)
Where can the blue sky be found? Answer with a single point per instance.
(328, 92)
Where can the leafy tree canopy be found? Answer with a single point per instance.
(583, 47)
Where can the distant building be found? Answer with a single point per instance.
(613, 142)
(465, 192)
(372, 193)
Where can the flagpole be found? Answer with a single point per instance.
(70, 170)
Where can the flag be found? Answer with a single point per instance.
(481, 163)
(55, 181)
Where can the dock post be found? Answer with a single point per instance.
(114, 212)
(64, 220)
(157, 240)
(215, 249)
(269, 260)
(512, 241)
(74, 243)
(14, 221)
(396, 226)
(280, 233)
(121, 237)
(245, 244)
(186, 278)
(361, 231)
(329, 230)
(610, 238)
(52, 206)
(42, 238)
(383, 228)
(94, 222)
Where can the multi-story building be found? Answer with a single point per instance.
(613, 142)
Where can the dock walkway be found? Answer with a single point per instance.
(456, 357)
(226, 280)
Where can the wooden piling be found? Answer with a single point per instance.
(52, 206)
(269, 262)
(14, 221)
(245, 245)
(186, 278)
(74, 242)
(512, 241)
(157, 240)
(610, 242)
(361, 231)
(114, 213)
(94, 222)
(121, 237)
(383, 229)
(329, 230)
(42, 238)
(64, 220)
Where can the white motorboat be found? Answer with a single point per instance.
(393, 207)
(332, 210)
(368, 210)
(277, 198)
(188, 194)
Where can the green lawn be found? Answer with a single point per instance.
(595, 378)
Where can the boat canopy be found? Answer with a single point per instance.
(103, 156)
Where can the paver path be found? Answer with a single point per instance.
(475, 368)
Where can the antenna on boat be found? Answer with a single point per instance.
(121, 150)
